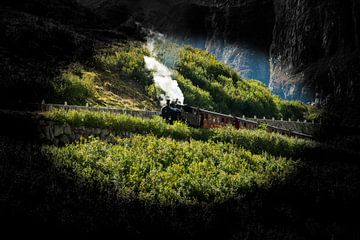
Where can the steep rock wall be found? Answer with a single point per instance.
(315, 51)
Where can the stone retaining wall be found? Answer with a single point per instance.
(60, 134)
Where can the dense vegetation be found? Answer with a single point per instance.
(210, 84)
(317, 200)
(115, 76)
(164, 171)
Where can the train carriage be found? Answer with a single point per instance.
(201, 118)
(210, 119)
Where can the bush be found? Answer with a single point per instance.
(293, 110)
(126, 60)
(194, 96)
(170, 172)
(75, 85)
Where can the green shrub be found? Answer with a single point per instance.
(293, 109)
(258, 141)
(194, 96)
(75, 85)
(126, 60)
(171, 172)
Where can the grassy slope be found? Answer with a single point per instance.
(114, 76)
(55, 58)
(119, 93)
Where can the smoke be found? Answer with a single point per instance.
(163, 80)
(162, 75)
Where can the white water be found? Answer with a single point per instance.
(162, 77)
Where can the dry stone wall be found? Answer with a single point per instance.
(61, 134)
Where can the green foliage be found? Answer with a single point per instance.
(293, 110)
(154, 92)
(263, 126)
(127, 60)
(205, 82)
(75, 85)
(116, 76)
(169, 172)
(313, 113)
(194, 96)
(210, 84)
(256, 141)
(229, 92)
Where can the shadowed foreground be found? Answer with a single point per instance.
(319, 202)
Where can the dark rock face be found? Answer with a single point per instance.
(244, 38)
(315, 49)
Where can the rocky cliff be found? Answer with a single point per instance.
(315, 49)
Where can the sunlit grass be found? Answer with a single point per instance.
(116, 78)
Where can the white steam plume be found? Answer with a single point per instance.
(162, 77)
(163, 80)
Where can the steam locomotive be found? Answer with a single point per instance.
(201, 118)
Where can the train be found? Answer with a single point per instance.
(202, 118)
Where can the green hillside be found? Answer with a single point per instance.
(210, 84)
(116, 77)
